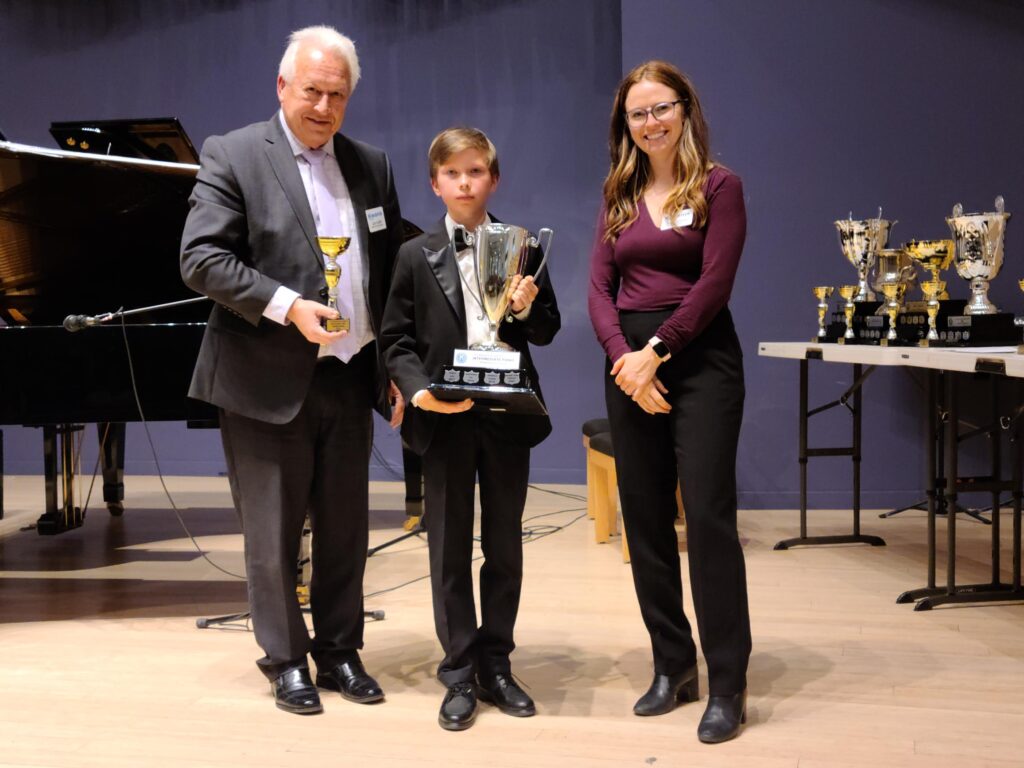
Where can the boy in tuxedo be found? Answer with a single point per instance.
(433, 308)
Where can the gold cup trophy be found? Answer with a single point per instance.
(821, 293)
(848, 292)
(333, 247)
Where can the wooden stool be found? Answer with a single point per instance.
(602, 486)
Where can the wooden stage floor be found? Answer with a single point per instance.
(103, 664)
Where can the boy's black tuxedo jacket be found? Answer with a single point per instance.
(425, 320)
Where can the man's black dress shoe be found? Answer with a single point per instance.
(503, 692)
(351, 681)
(722, 718)
(666, 690)
(294, 692)
(458, 710)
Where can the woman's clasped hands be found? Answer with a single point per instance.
(634, 375)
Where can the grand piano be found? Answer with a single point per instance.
(87, 234)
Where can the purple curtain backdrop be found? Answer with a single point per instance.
(821, 108)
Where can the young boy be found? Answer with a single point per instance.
(431, 311)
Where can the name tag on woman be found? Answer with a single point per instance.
(683, 219)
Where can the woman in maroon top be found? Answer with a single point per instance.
(668, 242)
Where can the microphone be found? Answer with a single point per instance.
(74, 323)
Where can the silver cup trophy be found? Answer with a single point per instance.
(499, 254)
(895, 274)
(979, 252)
(861, 240)
(490, 372)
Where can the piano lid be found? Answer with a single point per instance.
(86, 234)
(156, 138)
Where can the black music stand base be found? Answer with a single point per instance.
(810, 541)
(232, 618)
(932, 597)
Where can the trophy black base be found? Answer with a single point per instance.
(497, 399)
(957, 330)
(490, 390)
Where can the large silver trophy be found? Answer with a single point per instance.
(490, 373)
(861, 240)
(499, 254)
(979, 252)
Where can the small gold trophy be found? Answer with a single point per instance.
(1020, 349)
(848, 292)
(821, 293)
(933, 290)
(933, 255)
(892, 293)
(332, 248)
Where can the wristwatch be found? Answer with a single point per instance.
(660, 348)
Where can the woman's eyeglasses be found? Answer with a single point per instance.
(659, 111)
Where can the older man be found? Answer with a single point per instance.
(296, 400)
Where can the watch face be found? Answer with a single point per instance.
(660, 349)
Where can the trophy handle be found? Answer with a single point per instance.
(546, 247)
(467, 236)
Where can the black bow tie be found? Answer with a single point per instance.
(459, 239)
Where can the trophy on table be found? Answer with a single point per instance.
(979, 252)
(933, 255)
(821, 293)
(848, 292)
(490, 372)
(333, 247)
(861, 241)
(978, 258)
(933, 291)
(895, 275)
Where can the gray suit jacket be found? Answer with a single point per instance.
(250, 230)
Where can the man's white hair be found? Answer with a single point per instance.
(330, 40)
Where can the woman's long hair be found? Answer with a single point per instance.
(630, 170)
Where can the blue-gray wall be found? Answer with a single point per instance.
(822, 108)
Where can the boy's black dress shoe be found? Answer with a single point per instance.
(722, 718)
(294, 692)
(666, 690)
(503, 692)
(351, 681)
(458, 710)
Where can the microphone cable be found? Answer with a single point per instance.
(156, 460)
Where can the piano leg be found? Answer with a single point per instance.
(112, 438)
(63, 516)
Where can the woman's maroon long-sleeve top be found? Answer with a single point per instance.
(689, 270)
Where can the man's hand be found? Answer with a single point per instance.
(524, 291)
(635, 370)
(397, 405)
(428, 402)
(305, 315)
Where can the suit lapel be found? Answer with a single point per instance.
(282, 161)
(358, 182)
(441, 258)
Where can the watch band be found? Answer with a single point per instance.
(660, 348)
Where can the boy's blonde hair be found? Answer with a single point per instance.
(451, 141)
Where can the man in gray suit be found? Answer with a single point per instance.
(296, 400)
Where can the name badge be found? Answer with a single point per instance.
(375, 219)
(683, 219)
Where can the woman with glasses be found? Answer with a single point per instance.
(665, 254)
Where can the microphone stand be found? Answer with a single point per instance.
(73, 323)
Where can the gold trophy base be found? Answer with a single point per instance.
(332, 325)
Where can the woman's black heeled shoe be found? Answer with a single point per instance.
(666, 690)
(723, 718)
